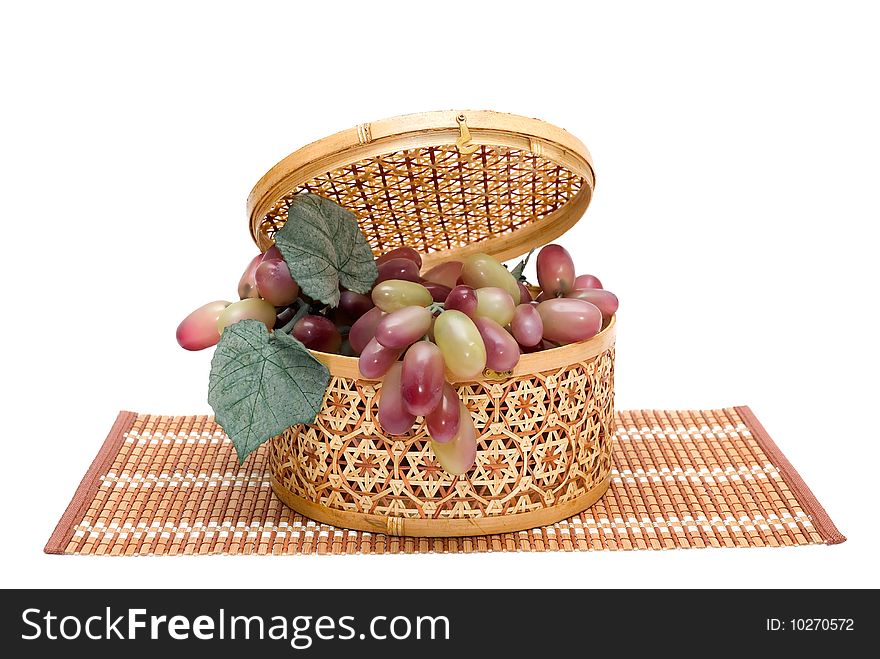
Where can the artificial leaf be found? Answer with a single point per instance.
(517, 271)
(324, 247)
(262, 383)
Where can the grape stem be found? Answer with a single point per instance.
(436, 307)
(300, 312)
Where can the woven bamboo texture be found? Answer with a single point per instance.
(690, 479)
(544, 441)
(437, 199)
(445, 183)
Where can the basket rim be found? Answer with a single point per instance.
(532, 362)
(436, 128)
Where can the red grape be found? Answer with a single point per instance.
(401, 253)
(525, 295)
(247, 285)
(462, 298)
(527, 327)
(605, 300)
(502, 351)
(376, 359)
(317, 333)
(393, 417)
(443, 420)
(273, 254)
(438, 291)
(555, 270)
(352, 306)
(398, 269)
(400, 328)
(275, 284)
(446, 273)
(422, 378)
(567, 320)
(364, 329)
(587, 281)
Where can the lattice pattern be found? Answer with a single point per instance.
(544, 439)
(173, 485)
(435, 199)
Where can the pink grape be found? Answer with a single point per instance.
(247, 285)
(587, 281)
(398, 269)
(352, 306)
(199, 329)
(525, 295)
(502, 351)
(458, 454)
(605, 300)
(364, 329)
(462, 298)
(400, 328)
(567, 320)
(555, 270)
(274, 283)
(317, 333)
(443, 420)
(446, 273)
(422, 378)
(393, 417)
(401, 253)
(376, 359)
(527, 326)
(438, 291)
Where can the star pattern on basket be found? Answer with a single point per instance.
(543, 441)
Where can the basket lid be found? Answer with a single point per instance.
(445, 183)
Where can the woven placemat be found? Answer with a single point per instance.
(713, 478)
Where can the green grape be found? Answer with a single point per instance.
(461, 344)
(495, 303)
(395, 294)
(481, 270)
(458, 454)
(248, 309)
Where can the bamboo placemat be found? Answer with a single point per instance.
(713, 478)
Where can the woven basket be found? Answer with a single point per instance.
(448, 184)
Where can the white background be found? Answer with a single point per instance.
(735, 216)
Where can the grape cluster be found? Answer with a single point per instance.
(461, 318)
(456, 319)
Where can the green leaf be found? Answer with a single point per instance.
(517, 271)
(324, 247)
(262, 383)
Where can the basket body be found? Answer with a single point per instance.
(543, 453)
(450, 184)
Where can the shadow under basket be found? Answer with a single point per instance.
(450, 184)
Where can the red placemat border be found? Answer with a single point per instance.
(818, 515)
(85, 493)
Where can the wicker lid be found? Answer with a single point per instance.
(446, 183)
